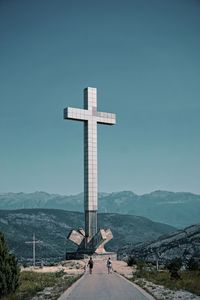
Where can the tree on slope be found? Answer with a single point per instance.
(9, 271)
(174, 267)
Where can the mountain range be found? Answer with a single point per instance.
(177, 209)
(51, 226)
(183, 244)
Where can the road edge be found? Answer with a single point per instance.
(146, 294)
(71, 288)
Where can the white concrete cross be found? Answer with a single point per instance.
(91, 117)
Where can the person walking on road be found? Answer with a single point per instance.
(109, 265)
(90, 264)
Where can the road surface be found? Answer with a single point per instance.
(103, 286)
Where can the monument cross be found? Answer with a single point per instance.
(90, 116)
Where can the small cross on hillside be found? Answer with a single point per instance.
(33, 242)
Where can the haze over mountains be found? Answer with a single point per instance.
(52, 227)
(176, 209)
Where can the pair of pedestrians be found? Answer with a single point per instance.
(108, 264)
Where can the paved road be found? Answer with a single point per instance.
(103, 286)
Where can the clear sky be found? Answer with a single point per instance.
(144, 58)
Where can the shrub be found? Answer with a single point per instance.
(174, 267)
(9, 271)
(141, 265)
(192, 264)
(131, 261)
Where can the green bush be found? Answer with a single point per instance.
(174, 267)
(131, 261)
(141, 265)
(192, 264)
(9, 271)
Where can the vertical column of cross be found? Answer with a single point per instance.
(90, 163)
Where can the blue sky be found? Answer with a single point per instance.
(144, 58)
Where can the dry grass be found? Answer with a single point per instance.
(31, 283)
(189, 281)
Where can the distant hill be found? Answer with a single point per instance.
(52, 226)
(176, 209)
(182, 243)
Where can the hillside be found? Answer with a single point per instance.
(183, 243)
(176, 209)
(52, 226)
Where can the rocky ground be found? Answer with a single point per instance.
(121, 268)
(162, 293)
(71, 268)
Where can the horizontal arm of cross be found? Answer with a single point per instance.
(106, 118)
(34, 242)
(85, 115)
(77, 114)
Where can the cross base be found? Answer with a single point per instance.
(104, 256)
(93, 245)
